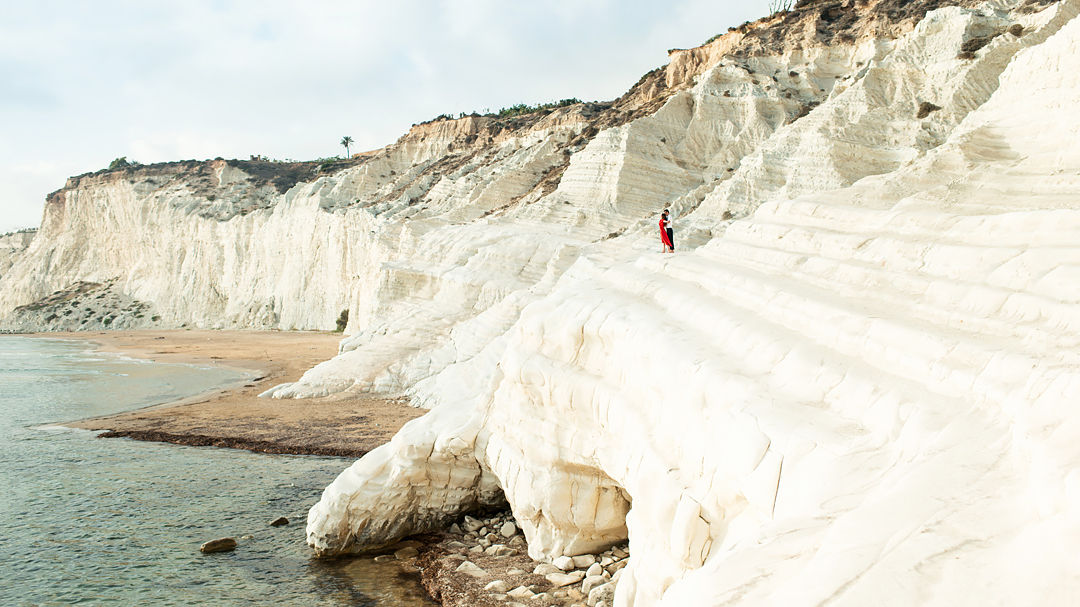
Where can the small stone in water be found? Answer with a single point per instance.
(224, 544)
(279, 521)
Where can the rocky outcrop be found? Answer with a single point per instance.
(853, 388)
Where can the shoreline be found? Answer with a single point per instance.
(233, 416)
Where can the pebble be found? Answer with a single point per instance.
(617, 566)
(560, 579)
(592, 582)
(382, 558)
(602, 595)
(564, 563)
(498, 586)
(516, 572)
(456, 528)
(407, 552)
(224, 544)
(279, 521)
(582, 561)
(619, 553)
(546, 568)
(477, 549)
(606, 560)
(471, 524)
(594, 570)
(521, 592)
(491, 537)
(468, 568)
(508, 529)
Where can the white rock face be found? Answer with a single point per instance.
(851, 385)
(858, 394)
(11, 245)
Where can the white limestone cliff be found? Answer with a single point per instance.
(12, 245)
(850, 385)
(859, 393)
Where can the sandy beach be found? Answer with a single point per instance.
(235, 417)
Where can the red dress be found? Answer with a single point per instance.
(664, 236)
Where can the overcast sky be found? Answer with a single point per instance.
(82, 83)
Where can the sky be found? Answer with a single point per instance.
(82, 83)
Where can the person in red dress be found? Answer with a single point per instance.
(667, 235)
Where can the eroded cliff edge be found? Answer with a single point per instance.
(857, 368)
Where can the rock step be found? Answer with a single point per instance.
(856, 329)
(972, 307)
(1019, 268)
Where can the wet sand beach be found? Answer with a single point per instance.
(235, 417)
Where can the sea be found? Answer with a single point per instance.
(93, 521)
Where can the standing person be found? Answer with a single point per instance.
(667, 235)
(664, 242)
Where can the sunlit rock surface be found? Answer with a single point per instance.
(851, 385)
(858, 393)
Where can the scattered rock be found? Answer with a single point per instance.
(383, 558)
(521, 592)
(491, 537)
(498, 586)
(582, 561)
(546, 568)
(508, 529)
(560, 579)
(603, 594)
(407, 552)
(619, 553)
(516, 572)
(224, 544)
(279, 521)
(468, 568)
(592, 582)
(564, 563)
(472, 525)
(606, 560)
(616, 566)
(455, 528)
(594, 570)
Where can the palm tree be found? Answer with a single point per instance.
(346, 141)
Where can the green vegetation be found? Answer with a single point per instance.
(346, 141)
(509, 112)
(122, 163)
(343, 320)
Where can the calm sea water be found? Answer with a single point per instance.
(88, 521)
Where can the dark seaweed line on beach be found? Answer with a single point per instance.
(228, 442)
